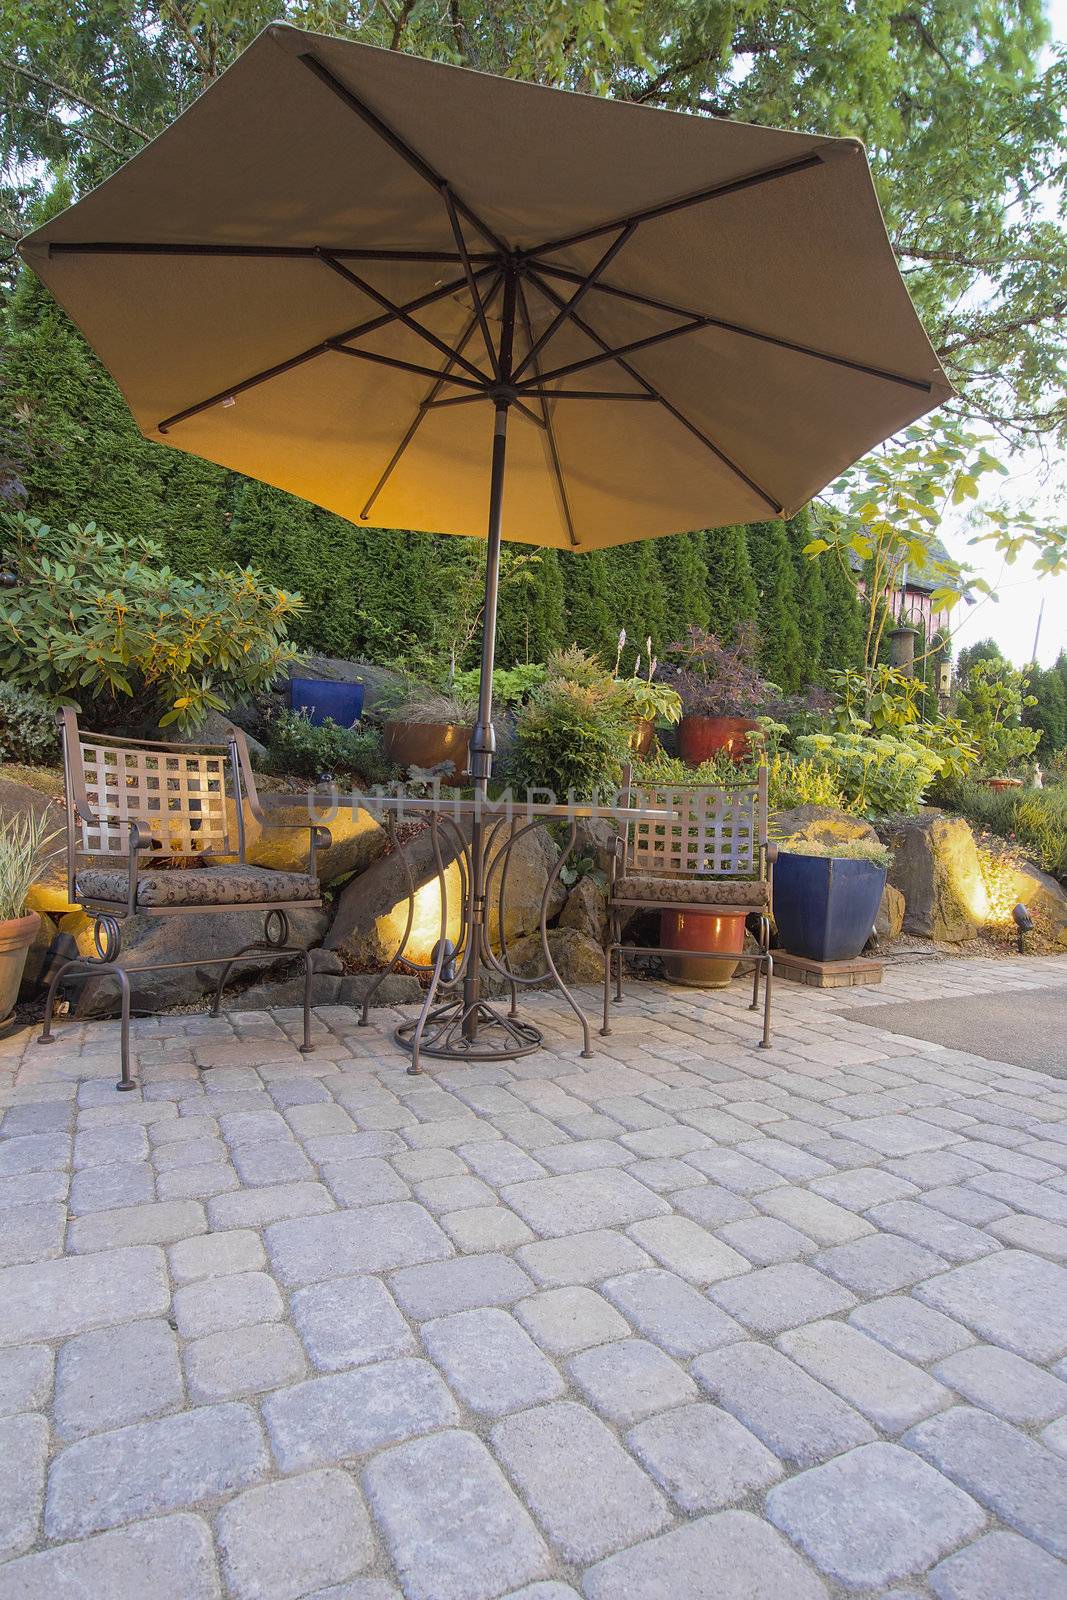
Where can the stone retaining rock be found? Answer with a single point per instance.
(935, 868)
(578, 958)
(890, 919)
(819, 824)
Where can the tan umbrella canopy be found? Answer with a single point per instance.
(332, 262)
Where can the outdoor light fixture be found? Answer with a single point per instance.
(9, 580)
(1025, 924)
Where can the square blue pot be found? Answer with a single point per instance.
(824, 908)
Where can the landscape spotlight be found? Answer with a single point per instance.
(1025, 924)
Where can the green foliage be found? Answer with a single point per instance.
(685, 582)
(511, 685)
(781, 652)
(570, 738)
(990, 702)
(875, 775)
(28, 731)
(802, 781)
(810, 599)
(844, 632)
(879, 855)
(306, 750)
(883, 698)
(1035, 819)
(732, 596)
(101, 614)
(24, 855)
(1049, 710)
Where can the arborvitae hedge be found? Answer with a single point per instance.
(391, 595)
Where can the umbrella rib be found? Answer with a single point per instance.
(399, 313)
(424, 406)
(609, 353)
(324, 347)
(405, 366)
(735, 186)
(400, 146)
(672, 410)
(550, 432)
(472, 282)
(297, 252)
(584, 286)
(735, 327)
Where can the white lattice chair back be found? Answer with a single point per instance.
(711, 832)
(176, 795)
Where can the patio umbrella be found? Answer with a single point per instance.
(339, 259)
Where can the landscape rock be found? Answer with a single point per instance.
(578, 958)
(596, 837)
(935, 868)
(358, 839)
(398, 989)
(325, 991)
(1041, 894)
(39, 956)
(371, 911)
(219, 729)
(890, 919)
(586, 907)
(182, 938)
(819, 825)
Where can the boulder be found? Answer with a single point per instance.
(218, 729)
(1043, 897)
(372, 909)
(889, 922)
(936, 869)
(175, 938)
(819, 825)
(578, 958)
(268, 995)
(358, 839)
(586, 907)
(39, 957)
(596, 837)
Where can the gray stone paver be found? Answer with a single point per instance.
(686, 1319)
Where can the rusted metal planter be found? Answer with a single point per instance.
(701, 738)
(429, 744)
(16, 936)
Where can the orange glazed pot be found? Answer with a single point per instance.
(700, 738)
(428, 744)
(723, 936)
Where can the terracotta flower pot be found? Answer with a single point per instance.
(428, 744)
(700, 738)
(998, 785)
(724, 936)
(16, 936)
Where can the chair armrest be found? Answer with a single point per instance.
(319, 836)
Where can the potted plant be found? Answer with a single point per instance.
(721, 691)
(826, 897)
(430, 729)
(24, 854)
(650, 702)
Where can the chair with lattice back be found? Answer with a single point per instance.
(159, 829)
(712, 853)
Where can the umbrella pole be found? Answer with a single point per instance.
(483, 741)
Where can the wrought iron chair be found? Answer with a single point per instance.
(713, 853)
(135, 813)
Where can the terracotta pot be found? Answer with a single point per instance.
(702, 930)
(427, 744)
(642, 736)
(16, 936)
(700, 738)
(998, 785)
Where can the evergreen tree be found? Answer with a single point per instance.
(845, 630)
(781, 654)
(1050, 713)
(532, 618)
(810, 595)
(732, 596)
(591, 617)
(637, 596)
(685, 582)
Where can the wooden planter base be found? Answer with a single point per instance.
(828, 974)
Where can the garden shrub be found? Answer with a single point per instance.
(571, 738)
(306, 750)
(875, 776)
(1034, 819)
(28, 730)
(100, 615)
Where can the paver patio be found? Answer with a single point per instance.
(689, 1320)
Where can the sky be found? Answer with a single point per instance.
(1034, 485)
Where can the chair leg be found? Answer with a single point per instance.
(619, 960)
(307, 1047)
(765, 1042)
(125, 1080)
(758, 965)
(605, 1031)
(46, 1034)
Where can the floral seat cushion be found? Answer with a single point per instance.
(749, 893)
(235, 885)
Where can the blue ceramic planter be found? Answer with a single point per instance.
(824, 908)
(320, 698)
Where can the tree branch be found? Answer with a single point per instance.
(67, 93)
